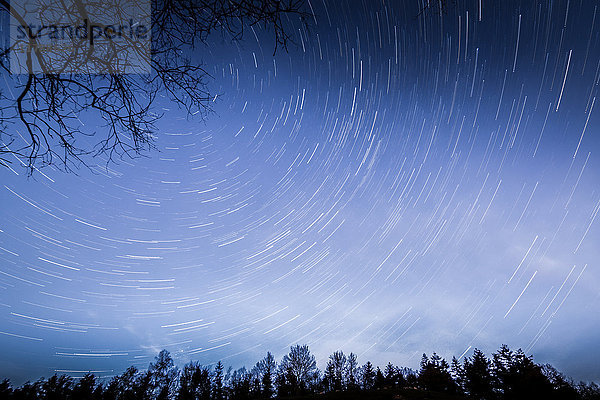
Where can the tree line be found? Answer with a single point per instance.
(506, 375)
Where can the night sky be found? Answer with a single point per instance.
(392, 184)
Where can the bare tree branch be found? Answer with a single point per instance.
(49, 104)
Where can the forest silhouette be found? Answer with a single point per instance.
(506, 375)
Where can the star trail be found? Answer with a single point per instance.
(395, 182)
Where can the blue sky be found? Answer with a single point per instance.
(390, 185)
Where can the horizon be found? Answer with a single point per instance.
(320, 365)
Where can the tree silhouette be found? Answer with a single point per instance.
(143, 387)
(264, 371)
(300, 369)
(336, 369)
(393, 376)
(351, 372)
(458, 374)
(502, 361)
(434, 374)
(478, 381)
(87, 389)
(163, 376)
(379, 379)
(5, 389)
(29, 391)
(411, 378)
(218, 392)
(48, 106)
(516, 376)
(240, 385)
(286, 382)
(122, 386)
(194, 382)
(508, 375)
(389, 374)
(57, 387)
(588, 391)
(563, 388)
(368, 376)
